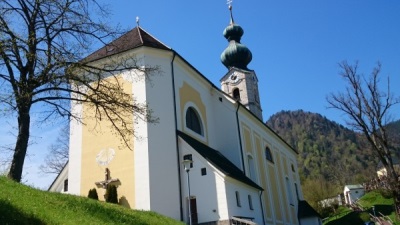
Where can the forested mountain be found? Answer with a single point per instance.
(394, 134)
(327, 149)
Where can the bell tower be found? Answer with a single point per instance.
(240, 82)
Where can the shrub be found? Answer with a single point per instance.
(111, 194)
(325, 211)
(388, 194)
(365, 217)
(93, 194)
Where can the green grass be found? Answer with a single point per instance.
(20, 204)
(373, 198)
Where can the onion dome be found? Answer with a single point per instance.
(236, 54)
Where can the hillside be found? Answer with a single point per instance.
(326, 148)
(373, 203)
(20, 204)
(394, 133)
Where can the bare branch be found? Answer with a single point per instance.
(42, 50)
(367, 109)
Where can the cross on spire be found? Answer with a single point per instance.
(229, 2)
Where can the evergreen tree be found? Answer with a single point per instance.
(93, 194)
(111, 194)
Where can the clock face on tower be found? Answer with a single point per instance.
(234, 78)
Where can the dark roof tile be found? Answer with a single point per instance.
(305, 210)
(218, 160)
(134, 38)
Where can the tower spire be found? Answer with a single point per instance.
(240, 83)
(236, 54)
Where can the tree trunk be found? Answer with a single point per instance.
(395, 186)
(21, 146)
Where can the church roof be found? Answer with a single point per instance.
(353, 186)
(137, 37)
(218, 160)
(305, 210)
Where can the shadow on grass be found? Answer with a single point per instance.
(11, 215)
(384, 209)
(351, 218)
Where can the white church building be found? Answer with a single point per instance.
(239, 169)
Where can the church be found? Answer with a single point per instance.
(210, 158)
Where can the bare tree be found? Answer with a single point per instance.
(42, 44)
(57, 156)
(368, 110)
(317, 190)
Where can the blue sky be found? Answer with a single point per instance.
(296, 45)
(296, 48)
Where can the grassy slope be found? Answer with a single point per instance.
(20, 204)
(373, 198)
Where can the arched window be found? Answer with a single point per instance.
(268, 154)
(193, 121)
(236, 94)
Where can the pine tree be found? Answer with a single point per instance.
(93, 194)
(111, 194)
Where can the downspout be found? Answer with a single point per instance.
(176, 135)
(262, 208)
(241, 151)
(240, 137)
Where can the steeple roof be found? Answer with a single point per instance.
(236, 54)
(137, 37)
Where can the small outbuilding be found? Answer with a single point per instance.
(381, 170)
(352, 193)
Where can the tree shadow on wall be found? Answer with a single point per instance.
(9, 214)
(124, 202)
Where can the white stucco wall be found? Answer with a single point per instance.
(162, 150)
(310, 221)
(204, 188)
(140, 148)
(58, 184)
(75, 151)
(215, 193)
(220, 113)
(244, 209)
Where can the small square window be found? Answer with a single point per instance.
(203, 171)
